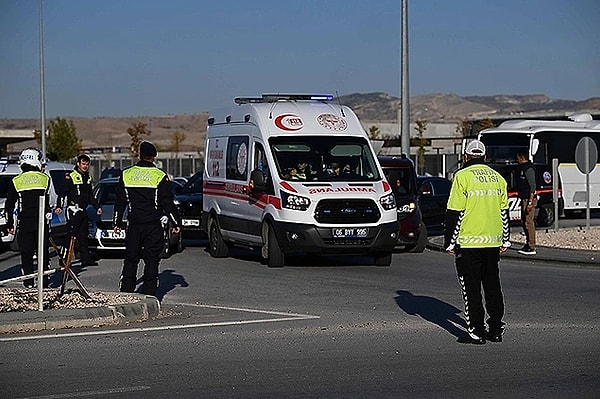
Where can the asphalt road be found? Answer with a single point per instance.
(320, 328)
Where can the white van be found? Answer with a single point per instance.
(292, 173)
(56, 171)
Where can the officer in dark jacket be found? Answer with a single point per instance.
(76, 195)
(145, 190)
(25, 191)
(526, 186)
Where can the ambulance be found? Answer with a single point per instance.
(295, 173)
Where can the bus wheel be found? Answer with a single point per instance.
(545, 216)
(275, 256)
(217, 248)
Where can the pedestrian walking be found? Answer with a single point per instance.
(24, 192)
(144, 190)
(76, 195)
(477, 232)
(526, 186)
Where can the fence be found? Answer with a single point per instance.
(174, 166)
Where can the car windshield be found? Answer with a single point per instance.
(503, 147)
(401, 181)
(106, 193)
(324, 158)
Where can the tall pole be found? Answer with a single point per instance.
(404, 95)
(42, 93)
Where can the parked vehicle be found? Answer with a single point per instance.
(190, 198)
(433, 200)
(56, 171)
(402, 177)
(103, 238)
(295, 173)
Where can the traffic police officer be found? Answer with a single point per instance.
(144, 189)
(476, 233)
(77, 191)
(25, 191)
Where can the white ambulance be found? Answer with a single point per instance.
(295, 173)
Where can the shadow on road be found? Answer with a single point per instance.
(168, 281)
(433, 310)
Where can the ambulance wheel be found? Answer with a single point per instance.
(383, 259)
(217, 248)
(275, 257)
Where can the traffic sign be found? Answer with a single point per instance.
(586, 155)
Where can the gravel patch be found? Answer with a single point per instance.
(569, 238)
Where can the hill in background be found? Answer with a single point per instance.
(106, 132)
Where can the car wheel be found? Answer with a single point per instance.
(217, 248)
(422, 241)
(545, 216)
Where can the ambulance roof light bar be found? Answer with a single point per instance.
(269, 98)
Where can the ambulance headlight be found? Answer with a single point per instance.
(388, 202)
(295, 202)
(407, 208)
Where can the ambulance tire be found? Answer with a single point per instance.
(383, 259)
(217, 248)
(275, 257)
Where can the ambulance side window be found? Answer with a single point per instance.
(237, 158)
(260, 163)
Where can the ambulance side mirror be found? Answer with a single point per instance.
(257, 181)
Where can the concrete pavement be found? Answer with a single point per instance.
(148, 307)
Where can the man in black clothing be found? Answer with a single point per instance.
(144, 189)
(76, 195)
(24, 191)
(526, 186)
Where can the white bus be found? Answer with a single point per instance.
(544, 141)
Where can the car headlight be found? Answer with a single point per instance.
(295, 202)
(388, 202)
(407, 208)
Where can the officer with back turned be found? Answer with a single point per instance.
(25, 191)
(144, 190)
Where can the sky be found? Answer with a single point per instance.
(150, 57)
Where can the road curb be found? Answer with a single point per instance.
(145, 308)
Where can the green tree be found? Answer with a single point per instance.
(62, 142)
(485, 124)
(421, 143)
(136, 131)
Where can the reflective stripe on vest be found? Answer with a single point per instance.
(140, 177)
(31, 181)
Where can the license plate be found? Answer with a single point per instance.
(112, 235)
(350, 232)
(190, 222)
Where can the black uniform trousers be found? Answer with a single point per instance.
(142, 241)
(78, 224)
(477, 267)
(27, 236)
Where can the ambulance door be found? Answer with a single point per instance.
(259, 200)
(237, 177)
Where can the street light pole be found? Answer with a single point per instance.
(42, 91)
(404, 94)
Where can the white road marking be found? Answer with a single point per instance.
(287, 317)
(89, 393)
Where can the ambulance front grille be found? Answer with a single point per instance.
(347, 211)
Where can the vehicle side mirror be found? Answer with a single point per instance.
(257, 181)
(425, 190)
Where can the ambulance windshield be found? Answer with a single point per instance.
(323, 158)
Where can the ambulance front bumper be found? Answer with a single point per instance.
(302, 238)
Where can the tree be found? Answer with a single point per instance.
(485, 124)
(421, 142)
(136, 131)
(373, 132)
(62, 143)
(176, 140)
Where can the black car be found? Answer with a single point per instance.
(102, 236)
(189, 198)
(433, 199)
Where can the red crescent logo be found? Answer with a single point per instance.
(289, 122)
